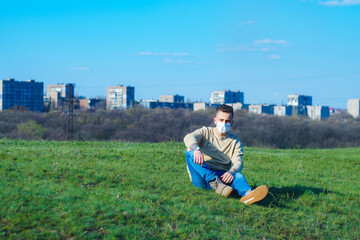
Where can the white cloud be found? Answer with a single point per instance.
(274, 57)
(145, 53)
(269, 41)
(340, 2)
(179, 54)
(263, 45)
(257, 46)
(246, 23)
(267, 49)
(79, 69)
(174, 54)
(167, 60)
(244, 48)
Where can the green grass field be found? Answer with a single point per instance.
(114, 190)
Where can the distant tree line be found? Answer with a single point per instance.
(143, 125)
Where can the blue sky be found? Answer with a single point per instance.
(267, 49)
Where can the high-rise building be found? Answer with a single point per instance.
(63, 89)
(57, 93)
(283, 110)
(21, 94)
(201, 106)
(172, 98)
(227, 96)
(238, 106)
(289, 110)
(299, 100)
(318, 112)
(260, 109)
(120, 97)
(353, 107)
(92, 103)
(84, 103)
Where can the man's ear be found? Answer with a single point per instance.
(215, 120)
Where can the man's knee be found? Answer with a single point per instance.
(189, 157)
(239, 176)
(189, 153)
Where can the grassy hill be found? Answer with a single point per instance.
(115, 190)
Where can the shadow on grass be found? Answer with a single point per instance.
(278, 196)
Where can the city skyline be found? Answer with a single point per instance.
(267, 49)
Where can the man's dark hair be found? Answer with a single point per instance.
(226, 109)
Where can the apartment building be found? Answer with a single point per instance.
(299, 100)
(201, 106)
(283, 110)
(172, 98)
(64, 90)
(120, 97)
(318, 112)
(21, 94)
(261, 109)
(92, 103)
(56, 94)
(227, 96)
(353, 107)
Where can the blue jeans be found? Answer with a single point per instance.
(202, 175)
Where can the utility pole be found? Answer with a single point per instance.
(71, 133)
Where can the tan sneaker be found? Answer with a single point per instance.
(220, 187)
(255, 195)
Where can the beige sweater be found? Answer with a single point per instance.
(220, 152)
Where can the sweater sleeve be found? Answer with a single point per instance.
(237, 157)
(195, 137)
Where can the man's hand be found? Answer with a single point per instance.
(198, 157)
(228, 177)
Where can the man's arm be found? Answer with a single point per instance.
(192, 142)
(193, 146)
(236, 159)
(194, 139)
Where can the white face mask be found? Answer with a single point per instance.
(223, 127)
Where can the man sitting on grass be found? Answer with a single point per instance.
(214, 159)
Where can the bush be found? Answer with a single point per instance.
(142, 125)
(30, 130)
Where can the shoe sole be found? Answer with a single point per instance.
(228, 193)
(257, 195)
